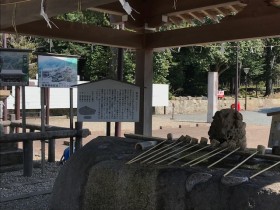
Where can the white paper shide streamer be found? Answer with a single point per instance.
(44, 15)
(128, 9)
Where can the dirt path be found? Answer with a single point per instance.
(256, 134)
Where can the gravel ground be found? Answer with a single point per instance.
(19, 192)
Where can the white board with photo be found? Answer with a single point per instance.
(57, 71)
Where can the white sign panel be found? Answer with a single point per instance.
(160, 94)
(59, 97)
(108, 101)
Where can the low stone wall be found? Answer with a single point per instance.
(186, 105)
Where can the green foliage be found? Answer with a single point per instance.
(98, 63)
(98, 58)
(188, 72)
(87, 17)
(129, 66)
(272, 59)
(161, 65)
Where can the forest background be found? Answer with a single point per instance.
(185, 69)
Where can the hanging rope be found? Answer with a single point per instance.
(174, 4)
(44, 14)
(79, 5)
(128, 8)
(14, 19)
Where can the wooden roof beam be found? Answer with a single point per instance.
(275, 3)
(212, 17)
(206, 7)
(175, 20)
(182, 8)
(77, 32)
(232, 8)
(29, 11)
(200, 19)
(220, 11)
(111, 12)
(248, 27)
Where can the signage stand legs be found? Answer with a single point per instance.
(42, 129)
(27, 145)
(108, 128)
(71, 121)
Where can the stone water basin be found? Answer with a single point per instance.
(96, 177)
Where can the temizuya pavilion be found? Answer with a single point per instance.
(231, 20)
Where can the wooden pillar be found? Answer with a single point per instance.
(12, 118)
(118, 125)
(27, 145)
(51, 142)
(43, 129)
(108, 128)
(71, 121)
(17, 105)
(5, 109)
(144, 79)
(79, 138)
(51, 151)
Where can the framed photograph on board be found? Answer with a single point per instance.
(14, 67)
(57, 71)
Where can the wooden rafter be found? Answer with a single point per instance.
(220, 11)
(195, 16)
(275, 3)
(245, 27)
(233, 9)
(29, 11)
(213, 6)
(212, 17)
(83, 33)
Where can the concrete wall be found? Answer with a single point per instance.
(185, 105)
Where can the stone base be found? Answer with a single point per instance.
(12, 157)
(96, 177)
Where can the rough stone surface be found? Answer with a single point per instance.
(234, 180)
(96, 177)
(228, 126)
(195, 179)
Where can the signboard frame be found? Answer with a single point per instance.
(14, 67)
(57, 71)
(108, 101)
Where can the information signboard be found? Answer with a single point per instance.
(14, 67)
(57, 71)
(108, 101)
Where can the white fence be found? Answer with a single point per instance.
(60, 97)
